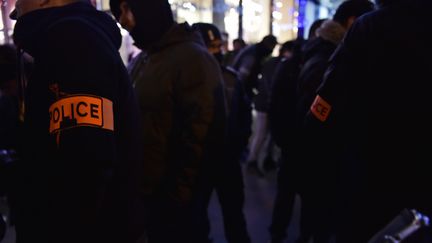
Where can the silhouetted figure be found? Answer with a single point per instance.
(373, 112)
(317, 178)
(79, 153)
(225, 176)
(238, 45)
(180, 92)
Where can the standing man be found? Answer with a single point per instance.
(79, 146)
(178, 85)
(249, 63)
(225, 175)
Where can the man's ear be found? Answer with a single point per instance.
(126, 19)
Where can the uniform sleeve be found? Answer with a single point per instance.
(341, 79)
(82, 70)
(325, 130)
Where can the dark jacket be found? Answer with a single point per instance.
(239, 113)
(373, 108)
(80, 125)
(248, 63)
(317, 53)
(282, 111)
(265, 83)
(178, 83)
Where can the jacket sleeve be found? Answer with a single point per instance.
(240, 122)
(327, 130)
(282, 108)
(341, 79)
(83, 72)
(196, 92)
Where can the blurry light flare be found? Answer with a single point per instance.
(277, 15)
(189, 6)
(253, 6)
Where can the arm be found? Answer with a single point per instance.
(84, 74)
(197, 107)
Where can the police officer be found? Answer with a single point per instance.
(373, 110)
(79, 145)
(225, 175)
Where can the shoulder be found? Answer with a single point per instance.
(229, 71)
(80, 30)
(69, 26)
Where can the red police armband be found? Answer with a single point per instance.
(320, 108)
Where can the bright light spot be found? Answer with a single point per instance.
(279, 4)
(296, 14)
(277, 15)
(189, 6)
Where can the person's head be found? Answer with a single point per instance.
(315, 25)
(8, 71)
(23, 7)
(212, 38)
(146, 20)
(238, 44)
(286, 49)
(269, 42)
(349, 10)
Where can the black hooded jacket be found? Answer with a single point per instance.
(81, 117)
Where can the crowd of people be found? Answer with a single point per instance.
(93, 151)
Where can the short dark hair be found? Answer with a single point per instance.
(209, 32)
(351, 8)
(269, 40)
(240, 41)
(315, 25)
(287, 46)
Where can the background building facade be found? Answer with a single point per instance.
(249, 19)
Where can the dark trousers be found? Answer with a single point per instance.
(284, 201)
(226, 180)
(168, 220)
(315, 202)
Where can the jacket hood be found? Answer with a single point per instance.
(31, 28)
(153, 18)
(317, 46)
(331, 31)
(176, 34)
